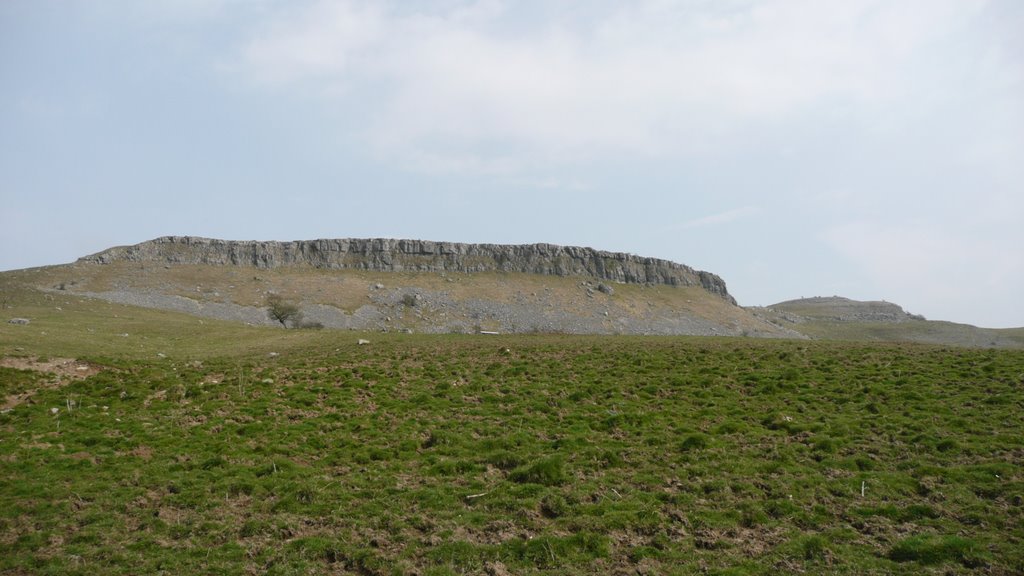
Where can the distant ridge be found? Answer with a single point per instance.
(842, 309)
(421, 286)
(396, 255)
(838, 318)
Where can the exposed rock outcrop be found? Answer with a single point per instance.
(391, 255)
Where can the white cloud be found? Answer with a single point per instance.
(571, 184)
(454, 81)
(726, 217)
(324, 42)
(165, 13)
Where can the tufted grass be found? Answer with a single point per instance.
(195, 451)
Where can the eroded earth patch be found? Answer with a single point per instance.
(57, 372)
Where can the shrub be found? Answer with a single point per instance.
(791, 374)
(503, 459)
(813, 548)
(547, 551)
(931, 549)
(283, 311)
(549, 472)
(694, 442)
(824, 444)
(554, 505)
(213, 462)
(439, 438)
(611, 459)
(727, 427)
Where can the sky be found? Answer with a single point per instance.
(872, 149)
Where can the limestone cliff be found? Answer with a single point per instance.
(391, 255)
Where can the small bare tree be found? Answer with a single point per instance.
(283, 311)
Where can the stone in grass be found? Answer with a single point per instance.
(496, 569)
(19, 321)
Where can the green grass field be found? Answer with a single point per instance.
(210, 448)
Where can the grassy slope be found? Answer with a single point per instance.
(821, 323)
(923, 331)
(349, 289)
(462, 454)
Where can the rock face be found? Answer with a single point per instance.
(390, 255)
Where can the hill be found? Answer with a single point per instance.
(837, 318)
(135, 440)
(410, 285)
(387, 285)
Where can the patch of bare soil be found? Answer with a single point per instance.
(62, 371)
(63, 367)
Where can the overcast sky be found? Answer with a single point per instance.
(872, 149)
